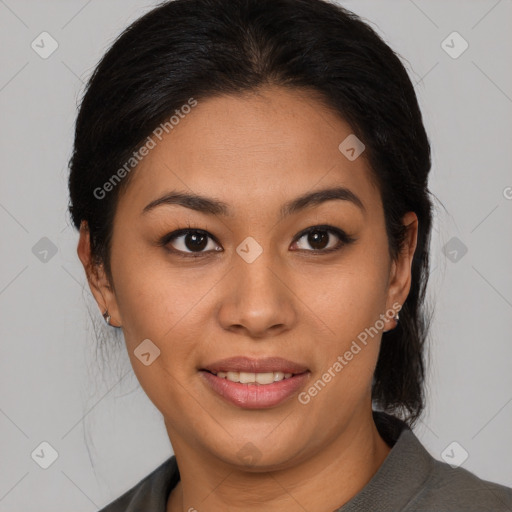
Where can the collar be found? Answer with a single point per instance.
(402, 474)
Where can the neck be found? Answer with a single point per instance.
(324, 481)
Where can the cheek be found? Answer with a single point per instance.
(349, 301)
(154, 296)
(157, 305)
(350, 305)
(170, 307)
(349, 296)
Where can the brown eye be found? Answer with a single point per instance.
(195, 241)
(318, 239)
(323, 239)
(189, 241)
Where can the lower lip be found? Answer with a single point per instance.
(254, 396)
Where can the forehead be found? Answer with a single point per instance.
(252, 149)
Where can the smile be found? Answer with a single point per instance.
(263, 378)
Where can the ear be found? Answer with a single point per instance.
(98, 281)
(400, 275)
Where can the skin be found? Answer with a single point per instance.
(256, 152)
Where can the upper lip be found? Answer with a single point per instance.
(246, 364)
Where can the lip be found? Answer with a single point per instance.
(246, 364)
(253, 396)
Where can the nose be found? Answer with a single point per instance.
(258, 300)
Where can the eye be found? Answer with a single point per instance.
(189, 241)
(320, 239)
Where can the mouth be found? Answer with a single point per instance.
(255, 383)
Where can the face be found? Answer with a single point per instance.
(268, 277)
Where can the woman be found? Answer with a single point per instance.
(249, 180)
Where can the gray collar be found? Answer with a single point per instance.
(407, 458)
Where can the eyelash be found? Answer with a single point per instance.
(343, 237)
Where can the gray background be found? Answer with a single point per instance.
(107, 433)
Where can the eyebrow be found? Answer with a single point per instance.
(216, 207)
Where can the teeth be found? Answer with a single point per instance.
(278, 376)
(265, 378)
(254, 378)
(245, 377)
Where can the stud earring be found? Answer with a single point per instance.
(396, 317)
(107, 317)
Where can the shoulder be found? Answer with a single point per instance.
(459, 490)
(412, 480)
(150, 493)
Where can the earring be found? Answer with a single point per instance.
(396, 317)
(107, 317)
